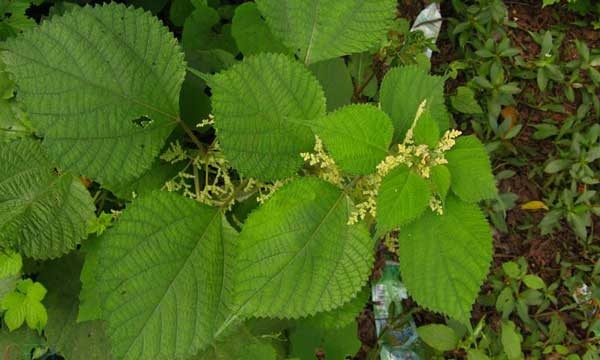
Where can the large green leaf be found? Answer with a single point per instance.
(334, 77)
(402, 91)
(325, 29)
(469, 165)
(357, 136)
(42, 214)
(251, 32)
(297, 256)
(403, 196)
(72, 340)
(90, 79)
(306, 341)
(259, 106)
(239, 345)
(163, 273)
(18, 344)
(445, 258)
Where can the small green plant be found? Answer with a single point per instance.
(173, 275)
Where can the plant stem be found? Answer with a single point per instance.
(192, 136)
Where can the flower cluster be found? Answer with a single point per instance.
(419, 157)
(322, 163)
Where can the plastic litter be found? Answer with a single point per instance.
(429, 21)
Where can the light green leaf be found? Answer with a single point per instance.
(259, 114)
(426, 130)
(42, 214)
(24, 305)
(73, 340)
(357, 137)
(335, 78)
(324, 29)
(298, 256)
(402, 91)
(438, 336)
(445, 258)
(469, 165)
(440, 179)
(534, 282)
(10, 271)
(91, 79)
(464, 101)
(403, 197)
(251, 32)
(163, 275)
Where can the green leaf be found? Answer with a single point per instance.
(343, 315)
(42, 214)
(402, 91)
(297, 255)
(13, 18)
(438, 336)
(557, 165)
(334, 77)
(357, 137)
(10, 271)
(324, 29)
(90, 80)
(24, 305)
(464, 101)
(163, 275)
(403, 197)
(240, 345)
(14, 344)
(445, 258)
(471, 172)
(251, 32)
(426, 131)
(199, 33)
(441, 180)
(534, 282)
(73, 340)
(259, 114)
(511, 340)
(306, 340)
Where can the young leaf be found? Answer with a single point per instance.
(445, 258)
(356, 136)
(402, 91)
(469, 165)
(259, 106)
(298, 256)
(42, 214)
(251, 32)
(324, 29)
(163, 276)
(403, 196)
(102, 86)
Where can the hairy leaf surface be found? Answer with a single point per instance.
(163, 275)
(297, 255)
(356, 136)
(445, 258)
(403, 196)
(402, 91)
(42, 214)
(101, 84)
(469, 165)
(258, 106)
(325, 29)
